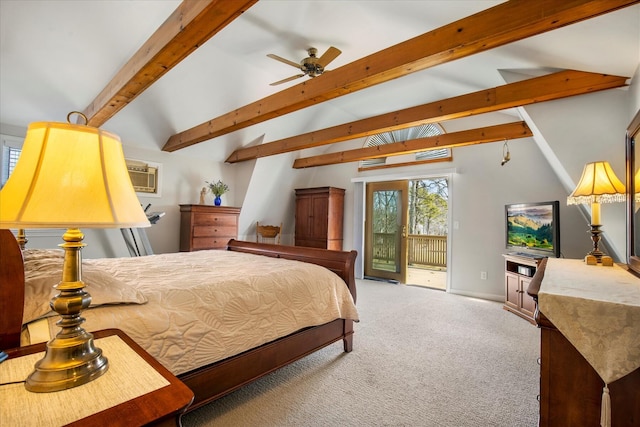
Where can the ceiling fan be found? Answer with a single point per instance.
(311, 66)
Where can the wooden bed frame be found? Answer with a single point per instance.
(220, 378)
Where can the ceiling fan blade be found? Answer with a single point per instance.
(281, 59)
(288, 79)
(331, 54)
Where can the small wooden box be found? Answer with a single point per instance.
(607, 261)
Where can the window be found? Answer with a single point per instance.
(441, 153)
(421, 131)
(11, 148)
(9, 154)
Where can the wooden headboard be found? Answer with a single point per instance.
(11, 290)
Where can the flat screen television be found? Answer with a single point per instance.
(533, 229)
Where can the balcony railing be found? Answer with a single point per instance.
(423, 250)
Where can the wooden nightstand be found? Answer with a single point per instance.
(135, 391)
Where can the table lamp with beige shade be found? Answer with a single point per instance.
(598, 184)
(69, 176)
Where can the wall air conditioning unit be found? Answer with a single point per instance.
(144, 176)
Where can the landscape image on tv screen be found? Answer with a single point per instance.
(532, 227)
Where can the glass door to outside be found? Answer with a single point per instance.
(386, 230)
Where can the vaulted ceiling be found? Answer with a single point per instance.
(194, 76)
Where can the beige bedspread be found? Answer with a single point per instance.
(208, 305)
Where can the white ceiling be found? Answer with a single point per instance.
(56, 56)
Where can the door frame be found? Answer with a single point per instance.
(359, 192)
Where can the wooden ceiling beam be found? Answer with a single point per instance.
(553, 86)
(502, 24)
(186, 29)
(448, 140)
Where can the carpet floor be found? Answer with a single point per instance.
(421, 357)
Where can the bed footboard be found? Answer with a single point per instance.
(216, 380)
(340, 262)
(221, 378)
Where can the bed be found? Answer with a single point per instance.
(208, 371)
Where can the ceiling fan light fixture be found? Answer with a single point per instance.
(312, 70)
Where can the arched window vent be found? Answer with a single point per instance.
(421, 131)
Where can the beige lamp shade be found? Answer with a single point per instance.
(598, 184)
(70, 175)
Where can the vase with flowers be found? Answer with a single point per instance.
(217, 189)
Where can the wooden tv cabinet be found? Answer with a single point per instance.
(518, 272)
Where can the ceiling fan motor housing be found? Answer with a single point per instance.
(310, 65)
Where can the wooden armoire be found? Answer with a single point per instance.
(319, 217)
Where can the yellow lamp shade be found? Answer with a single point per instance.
(598, 184)
(70, 175)
(636, 186)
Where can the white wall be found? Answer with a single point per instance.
(585, 129)
(269, 195)
(181, 180)
(579, 129)
(480, 189)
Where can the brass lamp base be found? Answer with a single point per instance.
(595, 237)
(71, 358)
(68, 363)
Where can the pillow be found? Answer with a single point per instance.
(43, 270)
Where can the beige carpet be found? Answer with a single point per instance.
(421, 357)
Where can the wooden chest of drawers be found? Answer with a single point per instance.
(207, 227)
